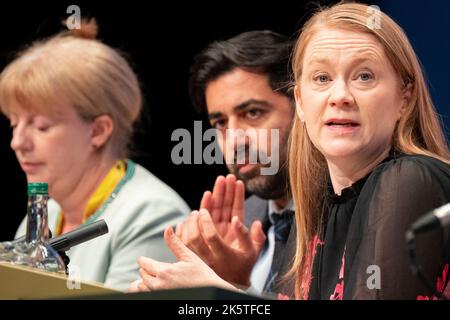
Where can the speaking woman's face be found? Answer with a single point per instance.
(52, 147)
(349, 95)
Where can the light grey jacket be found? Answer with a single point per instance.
(142, 208)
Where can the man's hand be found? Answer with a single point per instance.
(217, 233)
(225, 202)
(233, 262)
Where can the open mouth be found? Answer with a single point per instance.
(342, 126)
(334, 123)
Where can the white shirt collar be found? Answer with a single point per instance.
(273, 208)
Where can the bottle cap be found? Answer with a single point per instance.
(37, 188)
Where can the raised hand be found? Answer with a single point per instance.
(232, 261)
(225, 202)
(217, 234)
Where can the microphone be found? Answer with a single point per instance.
(85, 233)
(439, 217)
(70, 239)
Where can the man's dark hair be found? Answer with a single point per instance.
(264, 52)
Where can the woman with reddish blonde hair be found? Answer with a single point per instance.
(368, 138)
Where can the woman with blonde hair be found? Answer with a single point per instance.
(72, 102)
(368, 157)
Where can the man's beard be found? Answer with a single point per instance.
(265, 186)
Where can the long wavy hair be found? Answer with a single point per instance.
(419, 131)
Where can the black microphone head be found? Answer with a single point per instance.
(84, 233)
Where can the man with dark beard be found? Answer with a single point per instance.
(243, 85)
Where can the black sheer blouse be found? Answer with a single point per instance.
(363, 253)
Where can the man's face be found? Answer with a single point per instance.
(244, 101)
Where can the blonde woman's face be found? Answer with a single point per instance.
(348, 95)
(52, 148)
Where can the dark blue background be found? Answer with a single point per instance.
(427, 24)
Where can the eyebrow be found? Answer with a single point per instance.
(241, 107)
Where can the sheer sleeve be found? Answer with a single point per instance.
(396, 194)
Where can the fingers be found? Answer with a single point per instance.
(150, 266)
(217, 198)
(142, 287)
(210, 234)
(192, 238)
(206, 202)
(134, 287)
(148, 282)
(188, 229)
(179, 230)
(181, 252)
(226, 200)
(257, 235)
(189, 233)
(230, 183)
(149, 272)
(238, 202)
(242, 234)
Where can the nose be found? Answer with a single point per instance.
(238, 131)
(341, 96)
(233, 123)
(20, 140)
(236, 139)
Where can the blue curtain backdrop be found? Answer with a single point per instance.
(427, 24)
